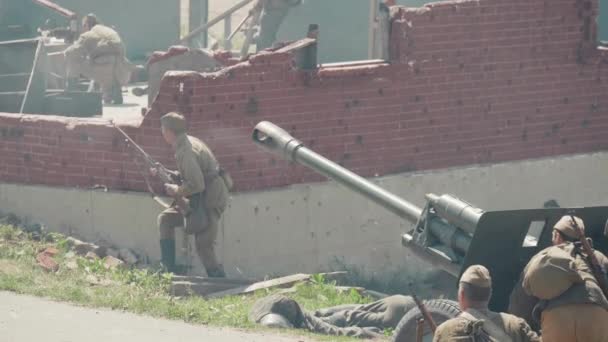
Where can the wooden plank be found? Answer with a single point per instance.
(302, 43)
(56, 8)
(278, 282)
(364, 62)
(195, 279)
(187, 288)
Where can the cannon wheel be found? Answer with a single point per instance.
(440, 309)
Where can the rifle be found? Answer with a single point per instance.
(596, 268)
(425, 313)
(167, 176)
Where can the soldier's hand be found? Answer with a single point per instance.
(153, 171)
(171, 189)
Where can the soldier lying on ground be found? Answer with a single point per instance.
(364, 321)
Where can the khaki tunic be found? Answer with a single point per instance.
(579, 314)
(99, 55)
(208, 195)
(368, 323)
(522, 305)
(575, 323)
(382, 314)
(458, 329)
(273, 15)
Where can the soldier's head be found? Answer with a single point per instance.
(89, 21)
(172, 125)
(475, 288)
(565, 229)
(277, 311)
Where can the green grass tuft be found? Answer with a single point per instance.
(142, 291)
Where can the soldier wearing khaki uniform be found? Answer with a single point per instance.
(580, 313)
(206, 186)
(99, 55)
(273, 15)
(364, 321)
(477, 321)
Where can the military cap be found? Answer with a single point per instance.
(477, 275)
(567, 227)
(174, 122)
(90, 19)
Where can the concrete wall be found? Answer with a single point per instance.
(306, 228)
(344, 26)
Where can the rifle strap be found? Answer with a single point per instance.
(491, 328)
(149, 185)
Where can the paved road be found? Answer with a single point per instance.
(24, 319)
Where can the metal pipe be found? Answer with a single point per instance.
(459, 213)
(277, 140)
(214, 21)
(56, 8)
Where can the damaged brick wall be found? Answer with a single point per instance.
(51, 150)
(468, 82)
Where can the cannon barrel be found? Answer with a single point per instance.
(279, 141)
(446, 221)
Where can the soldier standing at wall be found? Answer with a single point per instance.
(570, 303)
(99, 55)
(477, 321)
(273, 14)
(206, 186)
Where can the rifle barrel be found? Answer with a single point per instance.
(596, 268)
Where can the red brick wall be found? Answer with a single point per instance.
(469, 82)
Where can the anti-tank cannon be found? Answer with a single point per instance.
(448, 232)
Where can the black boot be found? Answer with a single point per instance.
(117, 93)
(167, 254)
(217, 272)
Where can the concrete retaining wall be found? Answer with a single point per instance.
(306, 228)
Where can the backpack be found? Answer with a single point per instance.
(551, 272)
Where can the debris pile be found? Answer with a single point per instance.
(46, 261)
(219, 287)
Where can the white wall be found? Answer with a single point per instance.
(304, 228)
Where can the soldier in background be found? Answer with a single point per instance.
(383, 28)
(206, 187)
(477, 321)
(273, 14)
(99, 55)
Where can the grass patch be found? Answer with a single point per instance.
(143, 291)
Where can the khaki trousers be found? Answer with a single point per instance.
(575, 323)
(384, 313)
(205, 239)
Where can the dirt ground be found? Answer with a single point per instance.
(24, 318)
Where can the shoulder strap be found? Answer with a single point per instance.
(492, 328)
